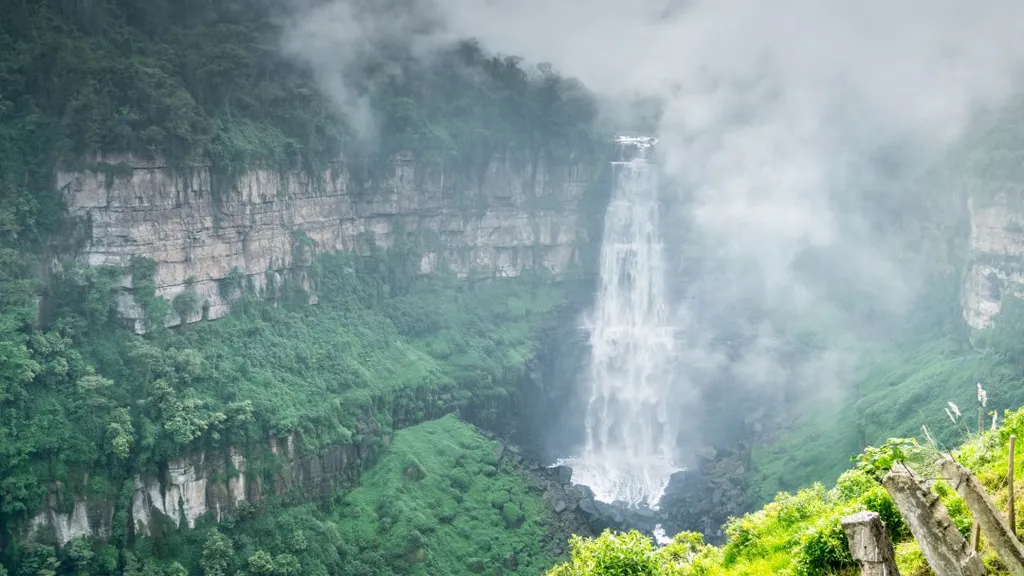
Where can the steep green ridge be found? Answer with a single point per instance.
(194, 82)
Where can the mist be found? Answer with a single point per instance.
(794, 138)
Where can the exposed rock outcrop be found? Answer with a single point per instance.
(197, 227)
(84, 518)
(996, 268)
(200, 484)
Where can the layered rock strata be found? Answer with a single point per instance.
(198, 229)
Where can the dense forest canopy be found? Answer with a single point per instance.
(196, 82)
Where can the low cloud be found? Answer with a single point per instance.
(779, 121)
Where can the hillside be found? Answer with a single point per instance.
(800, 534)
(124, 439)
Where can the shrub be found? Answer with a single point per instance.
(630, 554)
(511, 514)
(878, 500)
(823, 550)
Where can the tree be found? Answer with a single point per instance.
(610, 554)
(217, 554)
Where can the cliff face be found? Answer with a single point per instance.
(519, 217)
(996, 267)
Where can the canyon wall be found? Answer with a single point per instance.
(512, 219)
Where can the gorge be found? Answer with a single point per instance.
(329, 288)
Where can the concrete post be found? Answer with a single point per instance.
(991, 520)
(943, 546)
(869, 544)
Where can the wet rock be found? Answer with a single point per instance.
(564, 474)
(583, 492)
(645, 512)
(706, 453)
(560, 506)
(499, 451)
(615, 514)
(588, 507)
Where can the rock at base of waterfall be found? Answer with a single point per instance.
(564, 474)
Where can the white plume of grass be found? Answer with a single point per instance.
(928, 436)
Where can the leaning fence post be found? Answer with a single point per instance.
(869, 544)
(991, 520)
(942, 545)
(1011, 513)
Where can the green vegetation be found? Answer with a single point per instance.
(379, 352)
(900, 386)
(88, 404)
(799, 534)
(438, 504)
(193, 82)
(434, 504)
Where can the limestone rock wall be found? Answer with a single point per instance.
(514, 218)
(85, 518)
(199, 484)
(996, 266)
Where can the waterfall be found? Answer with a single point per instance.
(630, 437)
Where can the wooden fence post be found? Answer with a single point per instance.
(1011, 513)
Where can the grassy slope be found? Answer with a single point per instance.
(784, 536)
(799, 534)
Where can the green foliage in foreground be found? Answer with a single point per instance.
(439, 502)
(800, 534)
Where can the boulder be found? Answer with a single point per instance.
(563, 474)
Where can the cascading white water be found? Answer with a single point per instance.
(630, 441)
